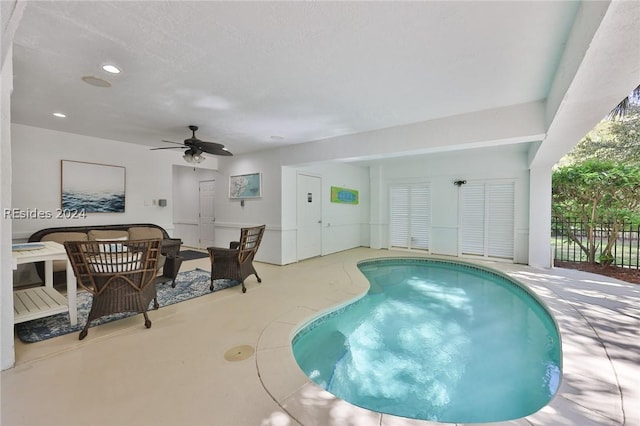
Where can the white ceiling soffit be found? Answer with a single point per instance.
(256, 75)
(603, 69)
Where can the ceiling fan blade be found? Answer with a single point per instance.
(195, 145)
(166, 147)
(177, 143)
(213, 148)
(221, 152)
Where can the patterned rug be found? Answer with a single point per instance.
(189, 285)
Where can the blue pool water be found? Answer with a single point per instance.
(438, 341)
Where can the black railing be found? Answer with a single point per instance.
(626, 250)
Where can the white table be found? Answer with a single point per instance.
(44, 301)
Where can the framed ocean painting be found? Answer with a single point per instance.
(92, 188)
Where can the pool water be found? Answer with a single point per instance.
(437, 341)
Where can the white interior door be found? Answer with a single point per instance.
(309, 209)
(207, 214)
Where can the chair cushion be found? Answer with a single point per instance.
(112, 247)
(147, 233)
(144, 233)
(61, 237)
(99, 234)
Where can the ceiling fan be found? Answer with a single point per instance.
(195, 147)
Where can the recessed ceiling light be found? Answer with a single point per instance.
(95, 81)
(111, 69)
(59, 115)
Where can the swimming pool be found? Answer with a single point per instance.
(436, 340)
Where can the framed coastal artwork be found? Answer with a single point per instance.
(245, 186)
(92, 188)
(344, 195)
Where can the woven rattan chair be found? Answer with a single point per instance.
(236, 262)
(119, 274)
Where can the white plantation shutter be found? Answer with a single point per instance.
(399, 216)
(487, 219)
(420, 216)
(410, 217)
(500, 210)
(473, 219)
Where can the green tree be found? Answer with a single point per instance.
(617, 141)
(620, 110)
(598, 194)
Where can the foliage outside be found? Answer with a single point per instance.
(614, 140)
(598, 184)
(598, 194)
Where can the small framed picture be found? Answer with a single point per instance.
(245, 186)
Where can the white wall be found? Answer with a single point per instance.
(344, 226)
(186, 201)
(231, 215)
(36, 177)
(441, 170)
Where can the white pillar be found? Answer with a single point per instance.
(7, 353)
(11, 12)
(378, 202)
(540, 217)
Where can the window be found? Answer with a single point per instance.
(410, 216)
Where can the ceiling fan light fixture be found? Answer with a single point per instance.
(193, 157)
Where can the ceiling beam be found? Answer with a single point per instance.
(598, 70)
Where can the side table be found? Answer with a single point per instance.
(38, 302)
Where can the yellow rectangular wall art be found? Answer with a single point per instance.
(344, 195)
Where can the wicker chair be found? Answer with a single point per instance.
(236, 262)
(119, 274)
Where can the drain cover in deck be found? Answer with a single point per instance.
(239, 353)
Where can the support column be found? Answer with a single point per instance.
(540, 217)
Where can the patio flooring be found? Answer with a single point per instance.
(176, 374)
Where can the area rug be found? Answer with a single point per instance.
(189, 285)
(192, 254)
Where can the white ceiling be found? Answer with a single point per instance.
(300, 71)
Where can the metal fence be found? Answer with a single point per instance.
(626, 251)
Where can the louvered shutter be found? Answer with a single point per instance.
(500, 211)
(420, 201)
(410, 216)
(399, 216)
(473, 219)
(487, 220)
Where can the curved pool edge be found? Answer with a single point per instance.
(309, 404)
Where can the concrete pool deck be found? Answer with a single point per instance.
(598, 320)
(175, 373)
